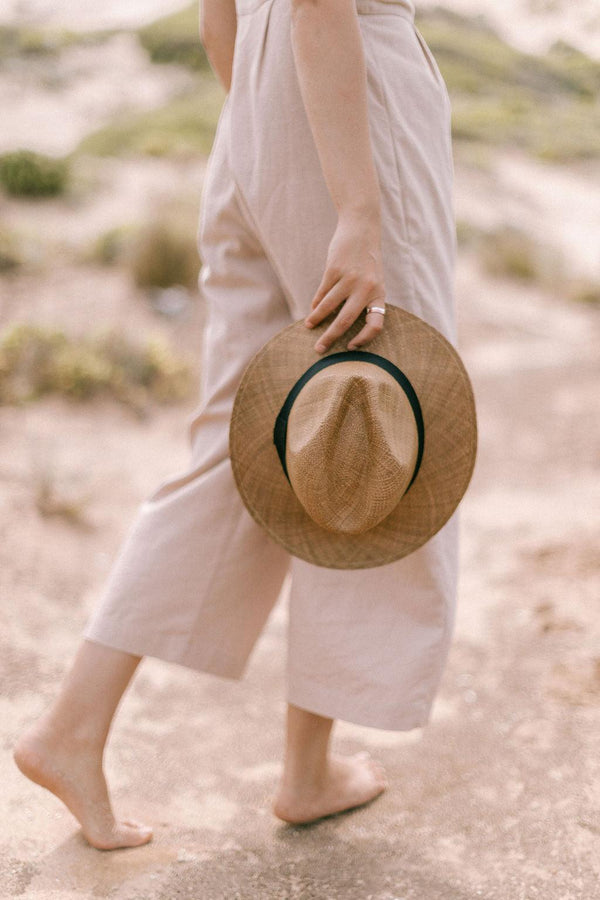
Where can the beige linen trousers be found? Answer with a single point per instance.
(196, 577)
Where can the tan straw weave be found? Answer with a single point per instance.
(352, 443)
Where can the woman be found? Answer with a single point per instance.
(328, 188)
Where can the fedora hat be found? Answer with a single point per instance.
(354, 459)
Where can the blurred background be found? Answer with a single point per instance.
(108, 113)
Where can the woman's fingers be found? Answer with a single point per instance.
(330, 280)
(346, 317)
(372, 328)
(326, 304)
(352, 280)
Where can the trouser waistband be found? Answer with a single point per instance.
(404, 8)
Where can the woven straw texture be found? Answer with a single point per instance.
(352, 446)
(444, 390)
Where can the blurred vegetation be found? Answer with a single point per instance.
(22, 248)
(111, 246)
(184, 127)
(24, 173)
(548, 105)
(510, 252)
(53, 499)
(507, 251)
(35, 360)
(583, 290)
(163, 254)
(18, 41)
(11, 254)
(176, 39)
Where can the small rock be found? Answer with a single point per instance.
(185, 856)
(171, 301)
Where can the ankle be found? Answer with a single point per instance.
(307, 776)
(75, 737)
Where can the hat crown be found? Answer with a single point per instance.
(352, 445)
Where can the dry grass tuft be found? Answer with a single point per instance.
(53, 501)
(24, 173)
(163, 254)
(35, 361)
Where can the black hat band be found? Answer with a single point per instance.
(281, 422)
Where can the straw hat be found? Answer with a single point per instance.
(354, 459)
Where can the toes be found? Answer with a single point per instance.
(139, 826)
(379, 773)
(134, 833)
(376, 767)
(383, 779)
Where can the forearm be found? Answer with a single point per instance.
(331, 70)
(218, 27)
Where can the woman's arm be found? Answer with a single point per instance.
(218, 26)
(330, 64)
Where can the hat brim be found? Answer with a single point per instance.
(442, 384)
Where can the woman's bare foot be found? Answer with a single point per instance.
(74, 774)
(348, 782)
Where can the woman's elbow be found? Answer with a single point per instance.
(205, 32)
(301, 7)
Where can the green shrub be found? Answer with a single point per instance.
(111, 246)
(176, 39)
(27, 353)
(545, 104)
(24, 173)
(560, 133)
(163, 255)
(53, 499)
(10, 252)
(582, 71)
(466, 233)
(78, 371)
(37, 41)
(15, 41)
(510, 252)
(8, 41)
(583, 290)
(35, 361)
(184, 127)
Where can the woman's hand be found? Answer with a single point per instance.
(353, 277)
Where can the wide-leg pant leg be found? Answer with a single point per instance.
(368, 646)
(196, 577)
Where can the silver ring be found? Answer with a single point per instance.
(378, 309)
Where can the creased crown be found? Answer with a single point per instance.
(351, 447)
